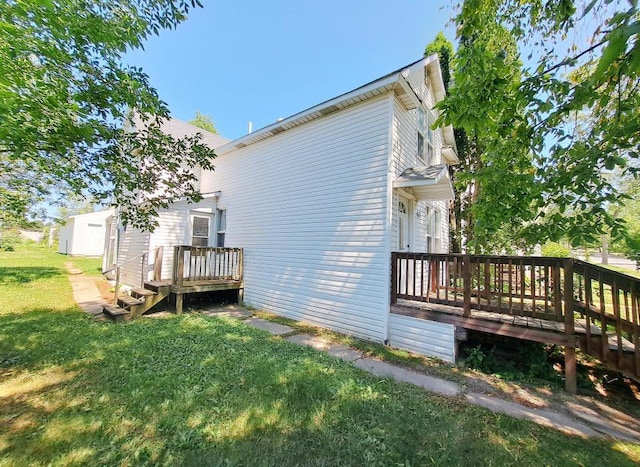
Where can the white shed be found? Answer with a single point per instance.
(83, 234)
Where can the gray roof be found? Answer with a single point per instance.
(426, 183)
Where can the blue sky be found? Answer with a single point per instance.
(259, 61)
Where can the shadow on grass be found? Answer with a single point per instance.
(24, 275)
(191, 390)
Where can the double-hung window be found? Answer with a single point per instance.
(425, 137)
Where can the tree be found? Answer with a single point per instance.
(205, 122)
(544, 169)
(488, 207)
(67, 101)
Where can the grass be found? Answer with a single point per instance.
(192, 390)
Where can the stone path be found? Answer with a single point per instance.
(580, 416)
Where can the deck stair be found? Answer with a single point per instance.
(139, 302)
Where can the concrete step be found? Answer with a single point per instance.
(116, 313)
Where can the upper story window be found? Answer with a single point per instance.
(425, 137)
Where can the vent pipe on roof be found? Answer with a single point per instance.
(250, 127)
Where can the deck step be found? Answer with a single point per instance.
(155, 286)
(127, 301)
(141, 293)
(116, 313)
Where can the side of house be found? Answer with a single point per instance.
(308, 205)
(311, 199)
(319, 200)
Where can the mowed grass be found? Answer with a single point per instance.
(192, 390)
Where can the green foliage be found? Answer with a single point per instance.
(205, 122)
(9, 239)
(547, 135)
(444, 48)
(554, 249)
(494, 182)
(66, 102)
(529, 363)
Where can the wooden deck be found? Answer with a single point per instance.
(559, 301)
(195, 270)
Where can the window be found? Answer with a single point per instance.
(200, 236)
(222, 227)
(425, 137)
(433, 233)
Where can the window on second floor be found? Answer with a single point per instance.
(425, 137)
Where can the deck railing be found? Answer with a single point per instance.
(554, 289)
(192, 264)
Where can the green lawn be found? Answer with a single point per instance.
(191, 390)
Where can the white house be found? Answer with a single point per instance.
(319, 200)
(83, 234)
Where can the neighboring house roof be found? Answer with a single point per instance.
(394, 81)
(106, 212)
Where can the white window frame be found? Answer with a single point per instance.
(425, 151)
(221, 227)
(195, 216)
(403, 207)
(433, 231)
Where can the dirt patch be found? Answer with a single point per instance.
(106, 289)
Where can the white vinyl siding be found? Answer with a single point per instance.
(174, 228)
(133, 242)
(311, 213)
(423, 337)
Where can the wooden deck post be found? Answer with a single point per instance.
(466, 284)
(157, 264)
(179, 301)
(394, 278)
(569, 330)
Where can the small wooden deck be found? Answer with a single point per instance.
(195, 270)
(558, 301)
(205, 269)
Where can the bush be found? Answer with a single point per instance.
(555, 250)
(9, 239)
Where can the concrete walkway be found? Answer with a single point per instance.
(85, 292)
(580, 416)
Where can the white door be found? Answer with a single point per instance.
(404, 228)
